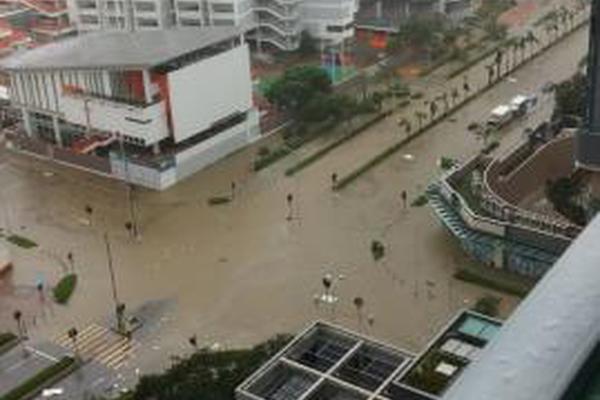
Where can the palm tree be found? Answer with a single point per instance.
(454, 96)
(515, 51)
(444, 98)
(420, 115)
(522, 44)
(571, 17)
(433, 109)
(490, 70)
(498, 62)
(466, 85)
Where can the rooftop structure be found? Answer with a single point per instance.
(548, 348)
(134, 106)
(330, 362)
(119, 50)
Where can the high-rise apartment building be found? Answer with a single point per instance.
(269, 22)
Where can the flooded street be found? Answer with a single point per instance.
(238, 273)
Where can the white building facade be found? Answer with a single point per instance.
(152, 115)
(272, 22)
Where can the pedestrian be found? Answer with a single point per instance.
(404, 196)
(71, 261)
(334, 179)
(290, 199)
(232, 190)
(40, 289)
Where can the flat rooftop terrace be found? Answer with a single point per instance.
(330, 362)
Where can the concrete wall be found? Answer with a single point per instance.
(209, 151)
(209, 91)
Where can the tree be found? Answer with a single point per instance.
(308, 44)
(490, 70)
(425, 33)
(487, 305)
(206, 374)
(297, 86)
(420, 115)
(570, 97)
(454, 96)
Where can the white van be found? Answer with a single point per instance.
(500, 116)
(521, 104)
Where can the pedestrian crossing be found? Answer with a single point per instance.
(100, 344)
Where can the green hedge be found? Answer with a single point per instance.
(218, 200)
(325, 150)
(515, 285)
(21, 241)
(7, 337)
(64, 289)
(40, 380)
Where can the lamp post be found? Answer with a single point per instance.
(119, 307)
(133, 222)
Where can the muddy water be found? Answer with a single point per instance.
(238, 273)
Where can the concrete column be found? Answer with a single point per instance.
(57, 137)
(26, 122)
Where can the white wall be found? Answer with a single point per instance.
(210, 90)
(209, 151)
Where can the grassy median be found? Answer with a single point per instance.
(40, 380)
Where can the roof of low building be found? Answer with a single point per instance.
(142, 49)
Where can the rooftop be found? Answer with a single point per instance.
(326, 362)
(329, 362)
(134, 50)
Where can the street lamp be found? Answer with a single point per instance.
(119, 307)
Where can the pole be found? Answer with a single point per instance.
(111, 270)
(113, 283)
(135, 231)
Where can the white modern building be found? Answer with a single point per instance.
(269, 22)
(149, 107)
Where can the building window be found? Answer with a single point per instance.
(335, 29)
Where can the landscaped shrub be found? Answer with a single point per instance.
(218, 200)
(40, 380)
(488, 305)
(419, 201)
(21, 241)
(7, 337)
(64, 289)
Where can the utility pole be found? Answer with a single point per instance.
(119, 307)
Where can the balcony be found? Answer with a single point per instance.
(52, 27)
(145, 122)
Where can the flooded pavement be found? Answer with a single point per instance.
(238, 273)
